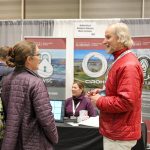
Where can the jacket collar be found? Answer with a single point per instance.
(78, 97)
(32, 72)
(118, 53)
(22, 69)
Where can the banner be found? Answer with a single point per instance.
(52, 68)
(142, 50)
(91, 62)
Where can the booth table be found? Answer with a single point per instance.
(88, 138)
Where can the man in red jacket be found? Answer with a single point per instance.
(120, 108)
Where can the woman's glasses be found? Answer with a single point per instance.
(37, 54)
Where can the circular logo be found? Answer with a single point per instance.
(145, 63)
(45, 67)
(103, 66)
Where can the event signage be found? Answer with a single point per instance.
(141, 49)
(85, 29)
(91, 62)
(52, 67)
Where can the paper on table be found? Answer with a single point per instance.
(92, 121)
(73, 124)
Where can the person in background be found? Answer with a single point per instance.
(120, 108)
(30, 122)
(78, 101)
(4, 70)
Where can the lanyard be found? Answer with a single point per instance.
(74, 108)
(109, 68)
(123, 54)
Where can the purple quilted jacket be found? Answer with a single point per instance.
(30, 124)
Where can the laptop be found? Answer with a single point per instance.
(58, 107)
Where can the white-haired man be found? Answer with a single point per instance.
(120, 117)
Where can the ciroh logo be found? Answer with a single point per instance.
(103, 64)
(145, 62)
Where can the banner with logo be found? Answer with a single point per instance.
(52, 68)
(91, 62)
(142, 50)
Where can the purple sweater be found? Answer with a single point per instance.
(85, 104)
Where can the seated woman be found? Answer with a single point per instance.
(78, 102)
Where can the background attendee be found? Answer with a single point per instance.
(120, 121)
(78, 101)
(29, 120)
(4, 70)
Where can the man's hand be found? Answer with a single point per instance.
(94, 98)
(93, 92)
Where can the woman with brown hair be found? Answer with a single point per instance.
(30, 123)
(4, 70)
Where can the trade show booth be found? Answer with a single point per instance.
(66, 47)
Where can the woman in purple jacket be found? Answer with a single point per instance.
(30, 123)
(78, 101)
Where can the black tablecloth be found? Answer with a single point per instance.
(87, 138)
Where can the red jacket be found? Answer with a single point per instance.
(120, 116)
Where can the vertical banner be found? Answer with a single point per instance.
(52, 68)
(142, 51)
(90, 62)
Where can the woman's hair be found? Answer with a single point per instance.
(18, 54)
(4, 52)
(80, 85)
(122, 31)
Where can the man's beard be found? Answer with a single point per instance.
(110, 49)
